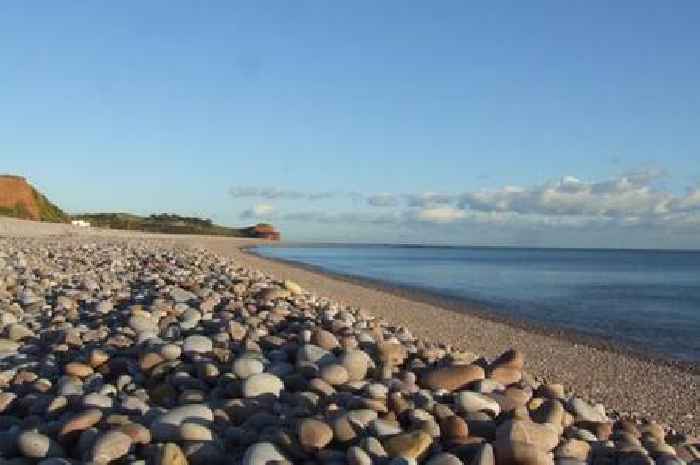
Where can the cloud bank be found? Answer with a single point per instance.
(631, 200)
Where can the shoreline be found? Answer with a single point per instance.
(628, 383)
(483, 311)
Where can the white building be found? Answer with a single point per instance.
(80, 223)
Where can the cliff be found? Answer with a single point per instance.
(19, 199)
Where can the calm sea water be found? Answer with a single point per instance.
(648, 299)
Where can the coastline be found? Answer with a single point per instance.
(628, 382)
(483, 311)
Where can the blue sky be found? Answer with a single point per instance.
(301, 113)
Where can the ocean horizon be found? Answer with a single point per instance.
(646, 300)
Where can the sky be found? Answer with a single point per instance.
(547, 123)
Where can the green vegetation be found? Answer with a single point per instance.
(163, 223)
(18, 211)
(48, 211)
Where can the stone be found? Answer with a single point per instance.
(98, 358)
(245, 367)
(81, 421)
(444, 458)
(314, 434)
(197, 344)
(8, 346)
(551, 391)
(543, 436)
(356, 362)
(518, 453)
(654, 430)
(505, 375)
(550, 411)
(484, 456)
(509, 359)
(110, 446)
(195, 432)
(314, 354)
(382, 428)
(454, 427)
(18, 332)
(171, 454)
(262, 384)
(190, 318)
(468, 401)
(411, 445)
(334, 374)
(324, 339)
(180, 295)
(357, 456)
(170, 352)
(270, 294)
(35, 445)
(263, 453)
(143, 324)
(167, 427)
(293, 288)
(583, 411)
(204, 453)
(346, 426)
(237, 331)
(6, 400)
(450, 378)
(391, 353)
(97, 400)
(573, 448)
(150, 360)
(138, 433)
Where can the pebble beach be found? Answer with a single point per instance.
(127, 348)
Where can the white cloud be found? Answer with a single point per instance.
(440, 214)
(621, 197)
(259, 211)
(383, 200)
(629, 201)
(428, 199)
(275, 193)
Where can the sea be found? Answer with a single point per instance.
(646, 300)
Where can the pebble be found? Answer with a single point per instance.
(133, 352)
(167, 426)
(35, 445)
(541, 436)
(171, 454)
(356, 362)
(334, 374)
(451, 378)
(195, 432)
(357, 456)
(262, 453)
(81, 421)
(197, 344)
(444, 458)
(408, 445)
(246, 367)
(468, 401)
(262, 384)
(584, 411)
(314, 434)
(110, 446)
